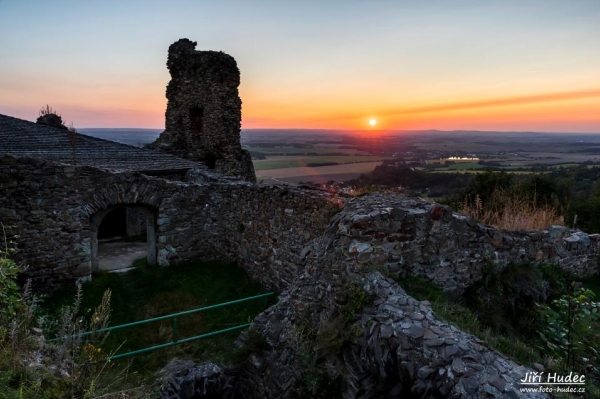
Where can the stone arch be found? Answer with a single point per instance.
(150, 215)
(132, 191)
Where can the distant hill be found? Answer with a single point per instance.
(137, 137)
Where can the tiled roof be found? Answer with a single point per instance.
(27, 139)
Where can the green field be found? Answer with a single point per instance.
(476, 171)
(281, 162)
(465, 165)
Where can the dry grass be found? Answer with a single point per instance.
(514, 213)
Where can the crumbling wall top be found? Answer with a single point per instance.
(203, 118)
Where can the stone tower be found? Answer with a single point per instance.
(204, 111)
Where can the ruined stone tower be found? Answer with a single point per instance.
(204, 111)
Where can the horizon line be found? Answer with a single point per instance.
(378, 131)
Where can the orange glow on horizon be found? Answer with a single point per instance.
(546, 110)
(558, 111)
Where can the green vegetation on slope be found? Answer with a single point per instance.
(148, 292)
(140, 294)
(573, 193)
(529, 313)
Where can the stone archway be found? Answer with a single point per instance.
(149, 215)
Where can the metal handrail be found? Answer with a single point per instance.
(173, 316)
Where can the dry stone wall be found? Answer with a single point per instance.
(305, 245)
(410, 236)
(268, 228)
(204, 111)
(49, 206)
(400, 349)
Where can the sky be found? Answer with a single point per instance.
(511, 65)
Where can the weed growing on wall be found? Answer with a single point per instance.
(318, 347)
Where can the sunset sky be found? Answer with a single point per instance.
(514, 65)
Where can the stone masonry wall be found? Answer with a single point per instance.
(267, 228)
(410, 236)
(305, 245)
(400, 349)
(204, 111)
(49, 206)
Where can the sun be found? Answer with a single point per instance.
(372, 122)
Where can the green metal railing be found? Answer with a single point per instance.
(174, 316)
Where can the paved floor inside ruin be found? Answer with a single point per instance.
(117, 256)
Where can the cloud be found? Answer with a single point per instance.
(500, 102)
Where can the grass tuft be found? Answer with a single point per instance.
(151, 291)
(516, 213)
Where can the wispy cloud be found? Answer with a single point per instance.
(499, 102)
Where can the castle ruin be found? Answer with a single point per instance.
(204, 111)
(306, 244)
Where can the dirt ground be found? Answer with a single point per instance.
(118, 255)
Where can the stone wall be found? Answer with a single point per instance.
(204, 110)
(269, 229)
(400, 349)
(50, 207)
(307, 246)
(410, 236)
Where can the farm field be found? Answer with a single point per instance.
(316, 174)
(295, 155)
(279, 162)
(289, 150)
(476, 171)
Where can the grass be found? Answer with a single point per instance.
(148, 292)
(465, 165)
(517, 212)
(453, 309)
(476, 171)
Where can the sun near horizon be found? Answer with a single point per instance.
(512, 65)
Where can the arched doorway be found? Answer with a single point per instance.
(122, 229)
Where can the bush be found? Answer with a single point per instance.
(30, 367)
(9, 290)
(571, 332)
(513, 294)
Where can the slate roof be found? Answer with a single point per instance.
(27, 139)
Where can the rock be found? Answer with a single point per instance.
(183, 380)
(538, 367)
(497, 383)
(360, 247)
(386, 331)
(424, 372)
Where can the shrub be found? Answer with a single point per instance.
(512, 294)
(30, 367)
(9, 290)
(571, 330)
